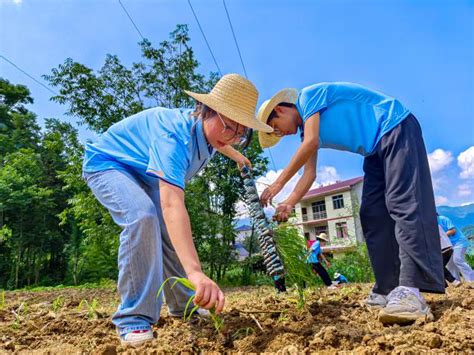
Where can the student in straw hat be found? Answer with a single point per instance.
(138, 170)
(397, 212)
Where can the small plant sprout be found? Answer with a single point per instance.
(216, 320)
(242, 333)
(2, 300)
(91, 308)
(58, 303)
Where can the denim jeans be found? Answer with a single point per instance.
(146, 255)
(458, 265)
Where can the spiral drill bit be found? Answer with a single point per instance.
(271, 258)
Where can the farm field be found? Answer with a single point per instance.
(69, 320)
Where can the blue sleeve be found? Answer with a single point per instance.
(311, 99)
(169, 160)
(447, 224)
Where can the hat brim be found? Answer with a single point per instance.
(242, 118)
(286, 95)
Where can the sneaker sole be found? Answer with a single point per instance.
(404, 317)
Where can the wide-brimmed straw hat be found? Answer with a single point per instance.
(236, 98)
(323, 236)
(286, 95)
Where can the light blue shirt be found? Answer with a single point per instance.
(352, 117)
(315, 249)
(458, 239)
(164, 143)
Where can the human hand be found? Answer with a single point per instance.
(208, 295)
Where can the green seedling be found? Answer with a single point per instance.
(20, 313)
(216, 320)
(91, 308)
(292, 250)
(2, 300)
(242, 333)
(58, 303)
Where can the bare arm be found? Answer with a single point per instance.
(232, 153)
(451, 232)
(305, 182)
(178, 224)
(285, 208)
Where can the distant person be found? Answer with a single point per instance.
(458, 265)
(398, 212)
(447, 251)
(315, 256)
(340, 279)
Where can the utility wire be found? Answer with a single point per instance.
(28, 75)
(235, 38)
(205, 39)
(131, 20)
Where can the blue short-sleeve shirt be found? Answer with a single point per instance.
(352, 117)
(164, 143)
(315, 249)
(458, 239)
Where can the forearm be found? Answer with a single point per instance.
(179, 228)
(301, 188)
(230, 152)
(304, 152)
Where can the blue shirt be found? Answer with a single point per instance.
(352, 117)
(342, 279)
(164, 143)
(458, 239)
(315, 249)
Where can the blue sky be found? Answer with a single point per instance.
(421, 52)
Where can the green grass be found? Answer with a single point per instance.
(91, 308)
(2, 300)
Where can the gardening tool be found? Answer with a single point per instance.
(271, 258)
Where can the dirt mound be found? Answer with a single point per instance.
(255, 320)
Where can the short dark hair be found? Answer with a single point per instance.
(273, 113)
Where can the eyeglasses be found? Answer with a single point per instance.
(239, 139)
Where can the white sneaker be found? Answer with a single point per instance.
(456, 283)
(136, 337)
(404, 306)
(376, 300)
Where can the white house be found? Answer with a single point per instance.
(334, 210)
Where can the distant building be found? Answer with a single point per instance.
(242, 233)
(334, 210)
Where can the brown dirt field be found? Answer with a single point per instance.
(332, 321)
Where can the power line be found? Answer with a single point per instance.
(28, 75)
(131, 20)
(235, 38)
(243, 65)
(205, 39)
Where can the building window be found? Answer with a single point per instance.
(320, 229)
(304, 213)
(306, 235)
(319, 210)
(341, 230)
(338, 202)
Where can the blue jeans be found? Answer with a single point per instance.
(146, 254)
(458, 265)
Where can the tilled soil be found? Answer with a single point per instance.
(255, 320)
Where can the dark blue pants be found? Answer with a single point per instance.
(398, 213)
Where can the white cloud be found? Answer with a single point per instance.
(15, 2)
(327, 175)
(441, 200)
(439, 159)
(464, 190)
(466, 163)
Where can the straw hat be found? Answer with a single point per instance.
(286, 95)
(236, 98)
(323, 236)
